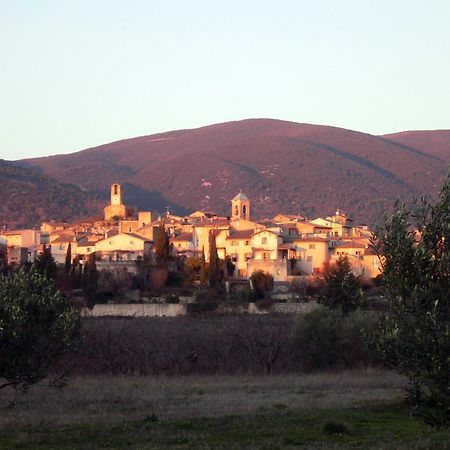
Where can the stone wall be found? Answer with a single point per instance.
(293, 308)
(136, 310)
(173, 309)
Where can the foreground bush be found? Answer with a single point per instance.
(414, 334)
(324, 339)
(37, 327)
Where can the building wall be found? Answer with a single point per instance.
(312, 257)
(265, 245)
(112, 211)
(240, 252)
(277, 268)
(22, 238)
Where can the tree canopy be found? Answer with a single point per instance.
(342, 289)
(414, 334)
(37, 327)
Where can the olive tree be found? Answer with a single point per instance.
(37, 327)
(414, 334)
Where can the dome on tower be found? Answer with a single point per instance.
(240, 196)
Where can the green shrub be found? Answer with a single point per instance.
(332, 427)
(172, 298)
(37, 327)
(342, 289)
(262, 283)
(175, 279)
(324, 339)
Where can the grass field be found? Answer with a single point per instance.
(352, 409)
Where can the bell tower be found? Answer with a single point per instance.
(240, 207)
(116, 194)
(116, 209)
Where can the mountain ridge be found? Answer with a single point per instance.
(282, 166)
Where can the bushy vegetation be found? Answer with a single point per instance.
(37, 327)
(262, 284)
(217, 344)
(341, 289)
(324, 339)
(414, 334)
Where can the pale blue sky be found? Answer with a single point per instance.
(75, 73)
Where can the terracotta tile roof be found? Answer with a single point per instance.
(183, 237)
(219, 222)
(62, 240)
(266, 230)
(240, 234)
(351, 244)
(311, 239)
(286, 246)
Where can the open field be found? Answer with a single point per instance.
(350, 409)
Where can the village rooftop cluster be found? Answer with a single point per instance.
(285, 246)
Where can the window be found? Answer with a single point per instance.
(264, 240)
(234, 243)
(234, 257)
(247, 242)
(266, 255)
(129, 229)
(312, 246)
(309, 258)
(115, 189)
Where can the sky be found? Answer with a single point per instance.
(75, 74)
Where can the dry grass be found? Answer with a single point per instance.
(106, 399)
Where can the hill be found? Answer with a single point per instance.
(435, 143)
(28, 198)
(282, 166)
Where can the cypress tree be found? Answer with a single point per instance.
(3, 260)
(203, 274)
(45, 264)
(68, 262)
(214, 263)
(90, 280)
(162, 245)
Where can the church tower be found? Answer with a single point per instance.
(240, 207)
(116, 210)
(116, 194)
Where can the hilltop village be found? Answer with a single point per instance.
(285, 246)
